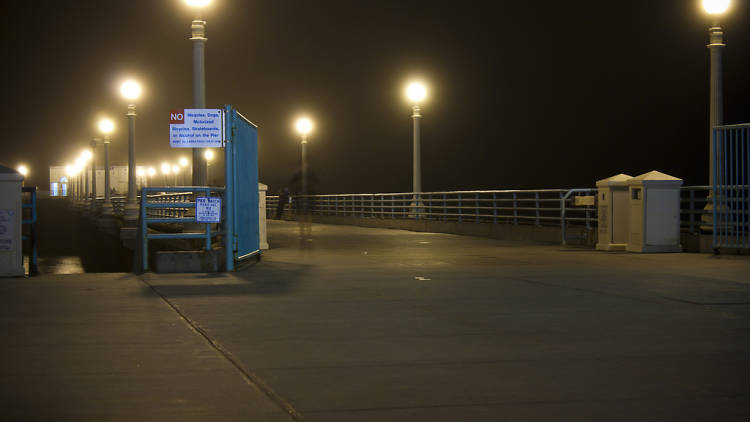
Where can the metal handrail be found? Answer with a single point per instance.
(541, 207)
(171, 200)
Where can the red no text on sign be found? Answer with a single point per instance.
(177, 117)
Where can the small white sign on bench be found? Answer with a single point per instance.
(207, 210)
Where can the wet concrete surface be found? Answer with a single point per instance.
(70, 243)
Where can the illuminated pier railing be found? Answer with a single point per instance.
(542, 207)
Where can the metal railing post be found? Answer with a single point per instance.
(459, 209)
(537, 209)
(476, 207)
(494, 207)
(515, 209)
(692, 211)
(144, 229)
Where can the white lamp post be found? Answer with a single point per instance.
(183, 164)
(208, 156)
(416, 92)
(23, 170)
(141, 173)
(151, 172)
(175, 170)
(165, 170)
(715, 8)
(198, 37)
(131, 91)
(106, 127)
(304, 126)
(86, 156)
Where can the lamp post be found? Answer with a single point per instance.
(183, 164)
(198, 37)
(715, 8)
(176, 169)
(141, 173)
(131, 91)
(106, 127)
(93, 172)
(716, 45)
(208, 155)
(151, 172)
(23, 170)
(416, 92)
(86, 156)
(79, 178)
(165, 169)
(304, 126)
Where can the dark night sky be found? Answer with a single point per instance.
(536, 94)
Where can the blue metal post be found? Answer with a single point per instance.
(229, 191)
(144, 228)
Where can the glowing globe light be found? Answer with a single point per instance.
(183, 162)
(716, 7)
(304, 126)
(416, 92)
(175, 169)
(198, 3)
(208, 155)
(151, 171)
(165, 168)
(23, 170)
(86, 155)
(131, 90)
(106, 126)
(140, 172)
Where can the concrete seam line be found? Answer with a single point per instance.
(250, 377)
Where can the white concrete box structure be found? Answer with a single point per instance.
(654, 213)
(11, 220)
(263, 231)
(613, 208)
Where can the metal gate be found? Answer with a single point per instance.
(241, 159)
(731, 196)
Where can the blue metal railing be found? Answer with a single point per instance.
(178, 208)
(31, 222)
(731, 189)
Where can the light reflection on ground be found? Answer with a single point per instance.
(58, 265)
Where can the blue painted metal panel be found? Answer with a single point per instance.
(243, 157)
(731, 190)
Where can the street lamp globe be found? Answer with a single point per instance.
(416, 92)
(197, 3)
(86, 155)
(131, 90)
(175, 169)
(165, 168)
(23, 170)
(140, 172)
(304, 126)
(716, 7)
(183, 162)
(208, 155)
(151, 171)
(106, 126)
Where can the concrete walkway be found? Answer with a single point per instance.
(356, 324)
